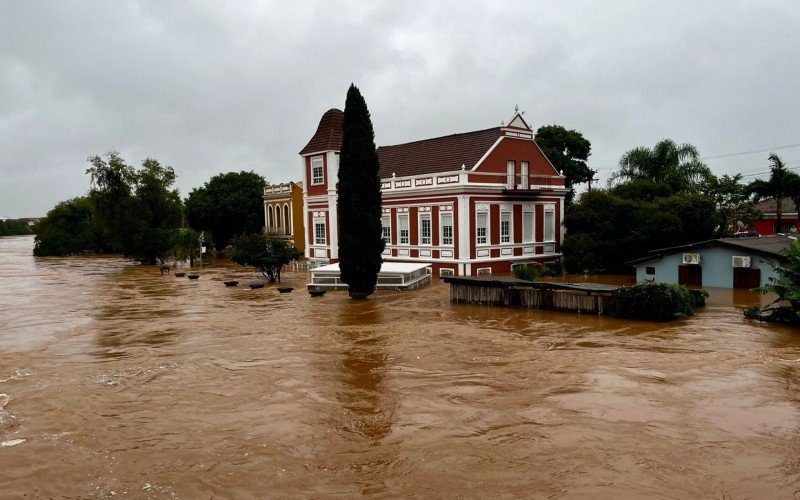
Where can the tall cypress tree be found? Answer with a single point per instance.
(360, 240)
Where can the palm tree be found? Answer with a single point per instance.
(782, 183)
(679, 166)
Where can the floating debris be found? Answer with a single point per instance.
(285, 289)
(231, 283)
(257, 284)
(180, 275)
(193, 276)
(13, 442)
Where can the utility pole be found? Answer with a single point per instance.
(592, 179)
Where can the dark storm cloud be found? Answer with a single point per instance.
(229, 86)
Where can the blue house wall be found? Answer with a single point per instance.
(716, 263)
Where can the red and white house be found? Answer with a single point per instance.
(471, 203)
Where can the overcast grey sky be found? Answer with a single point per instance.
(211, 87)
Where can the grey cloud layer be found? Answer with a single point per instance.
(231, 86)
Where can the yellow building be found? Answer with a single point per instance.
(283, 212)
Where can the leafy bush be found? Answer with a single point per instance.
(651, 301)
(786, 287)
(699, 297)
(524, 273)
(13, 227)
(266, 253)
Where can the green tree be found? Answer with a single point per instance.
(12, 227)
(678, 166)
(227, 205)
(111, 194)
(359, 199)
(137, 211)
(782, 183)
(568, 151)
(730, 197)
(68, 229)
(158, 213)
(786, 286)
(186, 245)
(266, 253)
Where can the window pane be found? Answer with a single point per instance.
(319, 232)
(425, 230)
(505, 227)
(403, 228)
(447, 229)
(524, 174)
(527, 227)
(386, 229)
(549, 225)
(481, 227)
(316, 171)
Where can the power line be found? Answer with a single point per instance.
(726, 155)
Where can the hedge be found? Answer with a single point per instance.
(651, 301)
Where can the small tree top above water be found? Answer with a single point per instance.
(268, 254)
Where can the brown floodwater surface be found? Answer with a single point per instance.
(118, 381)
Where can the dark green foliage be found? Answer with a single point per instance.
(568, 151)
(782, 183)
(651, 301)
(677, 166)
(13, 227)
(534, 271)
(524, 273)
(68, 230)
(699, 296)
(605, 230)
(786, 308)
(359, 202)
(731, 199)
(266, 253)
(112, 197)
(229, 204)
(186, 245)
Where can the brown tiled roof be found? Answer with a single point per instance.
(329, 133)
(768, 246)
(770, 206)
(440, 154)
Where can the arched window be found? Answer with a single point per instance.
(287, 229)
(278, 227)
(270, 224)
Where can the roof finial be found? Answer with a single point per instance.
(516, 108)
(463, 166)
(394, 175)
(502, 123)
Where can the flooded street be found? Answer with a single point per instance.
(118, 381)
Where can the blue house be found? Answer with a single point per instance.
(721, 263)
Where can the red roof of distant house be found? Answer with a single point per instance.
(770, 206)
(329, 133)
(440, 154)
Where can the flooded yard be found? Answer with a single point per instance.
(116, 380)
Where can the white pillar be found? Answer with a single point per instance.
(333, 218)
(306, 229)
(464, 229)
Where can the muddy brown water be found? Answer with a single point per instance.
(124, 382)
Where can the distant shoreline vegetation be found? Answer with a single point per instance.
(13, 227)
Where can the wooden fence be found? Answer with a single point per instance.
(574, 297)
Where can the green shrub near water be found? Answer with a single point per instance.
(651, 301)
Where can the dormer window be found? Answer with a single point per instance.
(317, 171)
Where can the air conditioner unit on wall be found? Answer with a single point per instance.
(691, 258)
(741, 260)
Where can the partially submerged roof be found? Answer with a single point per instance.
(328, 135)
(774, 246)
(386, 267)
(440, 154)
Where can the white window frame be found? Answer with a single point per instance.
(316, 181)
(525, 174)
(487, 229)
(483, 270)
(508, 238)
(552, 213)
(386, 228)
(400, 229)
(531, 227)
(511, 166)
(446, 271)
(320, 222)
(421, 236)
(442, 236)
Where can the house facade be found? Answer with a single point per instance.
(769, 215)
(743, 263)
(283, 213)
(470, 203)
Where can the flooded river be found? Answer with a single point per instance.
(118, 381)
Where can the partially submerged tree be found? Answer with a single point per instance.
(782, 183)
(266, 253)
(568, 151)
(68, 229)
(229, 204)
(361, 243)
(730, 196)
(786, 308)
(137, 211)
(678, 166)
